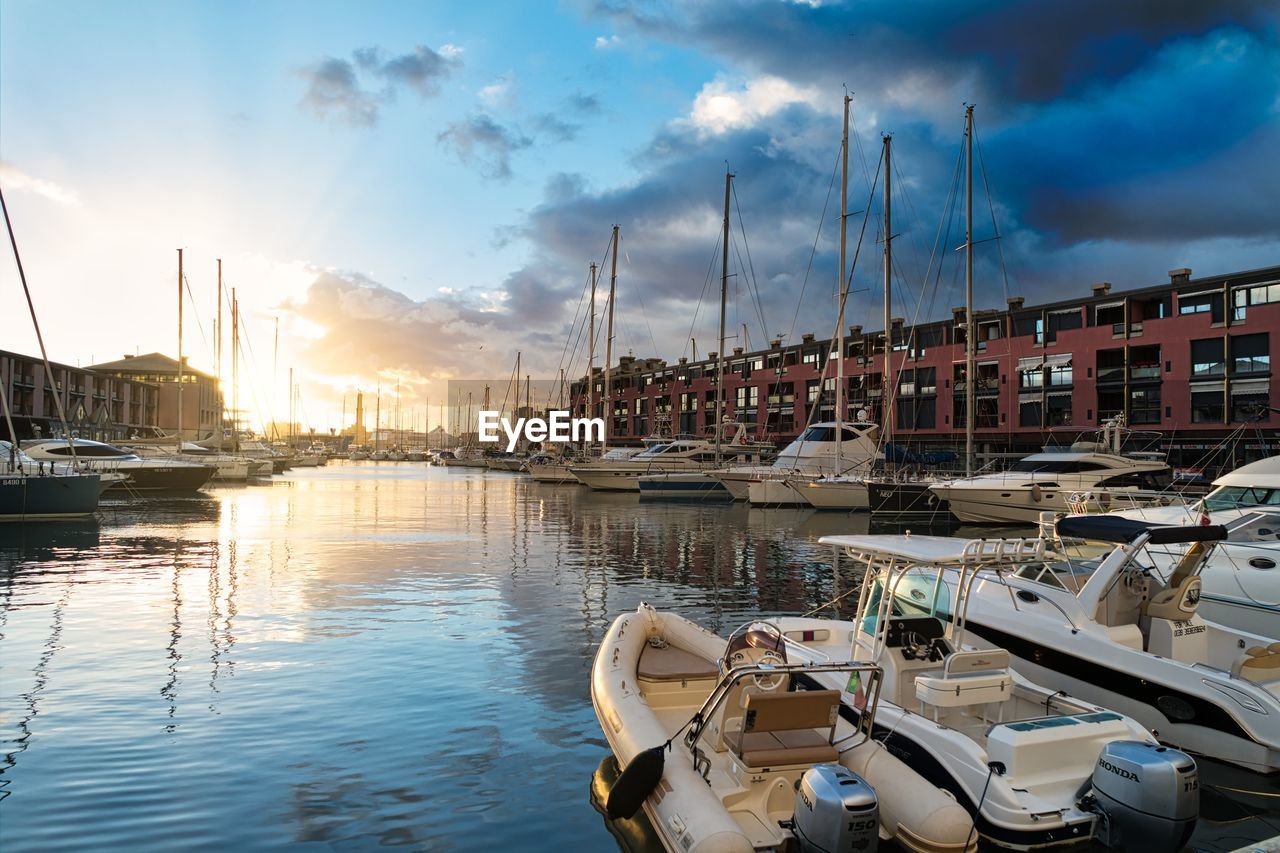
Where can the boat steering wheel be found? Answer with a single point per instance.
(755, 656)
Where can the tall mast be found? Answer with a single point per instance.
(377, 417)
(591, 349)
(843, 288)
(886, 391)
(235, 368)
(179, 448)
(272, 400)
(724, 292)
(608, 344)
(970, 377)
(517, 383)
(218, 348)
(293, 393)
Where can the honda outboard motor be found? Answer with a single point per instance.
(1148, 796)
(836, 812)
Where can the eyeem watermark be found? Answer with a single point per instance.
(558, 426)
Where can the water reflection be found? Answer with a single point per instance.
(352, 656)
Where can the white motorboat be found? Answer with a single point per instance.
(1035, 765)
(756, 759)
(1241, 581)
(548, 468)
(1105, 628)
(141, 475)
(680, 454)
(1043, 482)
(811, 454)
(227, 467)
(415, 456)
(357, 453)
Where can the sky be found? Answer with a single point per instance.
(414, 192)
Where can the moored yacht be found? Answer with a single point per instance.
(811, 454)
(34, 491)
(141, 475)
(1103, 627)
(1043, 482)
(1035, 765)
(679, 454)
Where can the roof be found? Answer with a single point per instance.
(1265, 473)
(152, 362)
(936, 550)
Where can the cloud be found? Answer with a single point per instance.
(337, 92)
(15, 180)
(721, 105)
(498, 93)
(607, 42)
(484, 144)
(584, 103)
(555, 128)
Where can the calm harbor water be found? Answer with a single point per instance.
(357, 656)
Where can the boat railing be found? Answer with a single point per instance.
(983, 551)
(773, 673)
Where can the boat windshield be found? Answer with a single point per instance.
(825, 433)
(1055, 466)
(86, 451)
(1237, 497)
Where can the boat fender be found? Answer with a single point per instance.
(635, 783)
(1035, 493)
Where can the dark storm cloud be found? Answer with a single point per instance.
(336, 92)
(482, 143)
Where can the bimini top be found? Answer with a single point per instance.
(940, 550)
(1111, 528)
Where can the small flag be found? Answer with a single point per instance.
(855, 687)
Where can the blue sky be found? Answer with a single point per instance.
(415, 190)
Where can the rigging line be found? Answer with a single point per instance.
(982, 167)
(715, 252)
(644, 314)
(857, 139)
(196, 312)
(753, 282)
(572, 325)
(913, 243)
(835, 168)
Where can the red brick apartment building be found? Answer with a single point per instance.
(1191, 359)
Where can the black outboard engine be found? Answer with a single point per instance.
(1148, 796)
(836, 812)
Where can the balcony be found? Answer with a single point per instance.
(1110, 374)
(1145, 371)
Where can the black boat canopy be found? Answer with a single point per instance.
(1109, 528)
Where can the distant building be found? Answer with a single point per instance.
(201, 398)
(1191, 358)
(99, 407)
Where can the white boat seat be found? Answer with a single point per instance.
(967, 678)
(1258, 664)
(780, 728)
(1177, 603)
(670, 663)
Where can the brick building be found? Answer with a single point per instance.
(1190, 358)
(98, 407)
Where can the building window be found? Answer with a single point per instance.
(1250, 354)
(1111, 314)
(927, 380)
(1059, 375)
(1206, 358)
(1061, 321)
(917, 414)
(907, 383)
(1030, 413)
(1255, 294)
(1111, 367)
(1058, 411)
(1144, 363)
(1032, 377)
(1206, 407)
(1250, 401)
(1110, 404)
(1144, 405)
(1202, 303)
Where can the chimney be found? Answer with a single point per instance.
(684, 360)
(776, 343)
(957, 314)
(855, 330)
(1015, 302)
(897, 321)
(1101, 288)
(737, 350)
(807, 338)
(1180, 276)
(713, 355)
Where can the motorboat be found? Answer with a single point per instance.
(1241, 581)
(728, 746)
(549, 468)
(43, 491)
(415, 456)
(1105, 627)
(505, 462)
(141, 475)
(844, 492)
(682, 454)
(1044, 481)
(812, 454)
(227, 467)
(682, 486)
(1035, 765)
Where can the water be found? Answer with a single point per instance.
(352, 656)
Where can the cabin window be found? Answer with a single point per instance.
(1232, 497)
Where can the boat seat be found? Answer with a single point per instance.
(779, 728)
(1258, 664)
(1177, 603)
(967, 678)
(670, 663)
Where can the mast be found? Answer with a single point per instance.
(275, 377)
(724, 292)
(970, 379)
(886, 391)
(608, 344)
(218, 349)
(843, 291)
(179, 447)
(517, 384)
(377, 417)
(591, 349)
(235, 368)
(293, 394)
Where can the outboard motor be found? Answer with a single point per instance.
(836, 812)
(1148, 796)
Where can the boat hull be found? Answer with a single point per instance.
(914, 499)
(552, 474)
(771, 492)
(35, 498)
(682, 487)
(1010, 505)
(834, 495)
